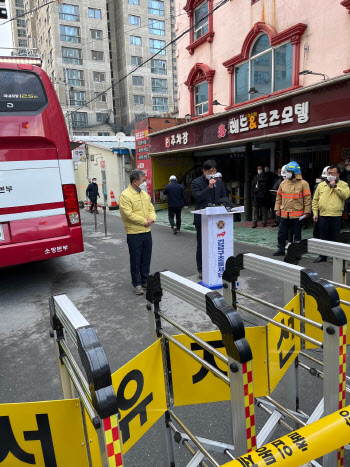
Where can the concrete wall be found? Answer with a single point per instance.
(326, 39)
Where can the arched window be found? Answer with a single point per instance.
(268, 63)
(201, 22)
(200, 85)
(269, 69)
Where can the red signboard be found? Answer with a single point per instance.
(143, 160)
(103, 164)
(316, 109)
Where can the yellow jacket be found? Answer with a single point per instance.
(293, 198)
(330, 201)
(135, 208)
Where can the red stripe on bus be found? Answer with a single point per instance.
(30, 208)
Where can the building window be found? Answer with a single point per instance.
(48, 14)
(22, 43)
(70, 34)
(96, 34)
(134, 20)
(19, 3)
(22, 33)
(73, 56)
(77, 98)
(159, 86)
(139, 100)
(99, 77)
(74, 77)
(21, 23)
(134, 2)
(137, 80)
(158, 66)
(68, 12)
(135, 40)
(101, 97)
(268, 70)
(94, 13)
(160, 104)
(155, 46)
(268, 62)
(103, 133)
(102, 117)
(155, 7)
(79, 119)
(201, 24)
(19, 12)
(53, 77)
(97, 55)
(201, 98)
(156, 27)
(81, 133)
(51, 58)
(200, 86)
(136, 61)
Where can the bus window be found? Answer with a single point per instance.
(21, 91)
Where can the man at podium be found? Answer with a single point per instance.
(206, 190)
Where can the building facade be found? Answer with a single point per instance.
(139, 29)
(72, 40)
(262, 82)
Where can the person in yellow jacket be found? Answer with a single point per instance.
(328, 205)
(293, 204)
(138, 215)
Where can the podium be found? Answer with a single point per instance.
(217, 243)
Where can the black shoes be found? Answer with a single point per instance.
(320, 259)
(263, 225)
(255, 225)
(278, 253)
(175, 230)
(274, 225)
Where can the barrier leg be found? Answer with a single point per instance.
(339, 270)
(65, 380)
(154, 296)
(334, 360)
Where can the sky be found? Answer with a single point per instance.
(5, 34)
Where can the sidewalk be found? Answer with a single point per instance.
(261, 236)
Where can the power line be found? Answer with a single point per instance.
(27, 12)
(181, 35)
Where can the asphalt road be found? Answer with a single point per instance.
(98, 283)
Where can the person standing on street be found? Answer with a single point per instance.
(92, 193)
(176, 195)
(138, 215)
(293, 204)
(260, 197)
(328, 205)
(206, 190)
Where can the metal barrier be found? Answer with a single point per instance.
(327, 321)
(95, 390)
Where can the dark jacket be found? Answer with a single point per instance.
(277, 183)
(203, 195)
(260, 190)
(92, 191)
(176, 194)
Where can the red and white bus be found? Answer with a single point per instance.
(39, 211)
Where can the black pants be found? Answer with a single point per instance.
(329, 227)
(93, 203)
(140, 251)
(199, 247)
(171, 213)
(294, 226)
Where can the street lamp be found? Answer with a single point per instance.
(309, 72)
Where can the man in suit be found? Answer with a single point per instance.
(206, 190)
(176, 195)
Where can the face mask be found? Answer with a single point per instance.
(209, 176)
(289, 176)
(260, 172)
(93, 181)
(331, 177)
(143, 186)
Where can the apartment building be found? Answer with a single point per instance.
(139, 29)
(72, 40)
